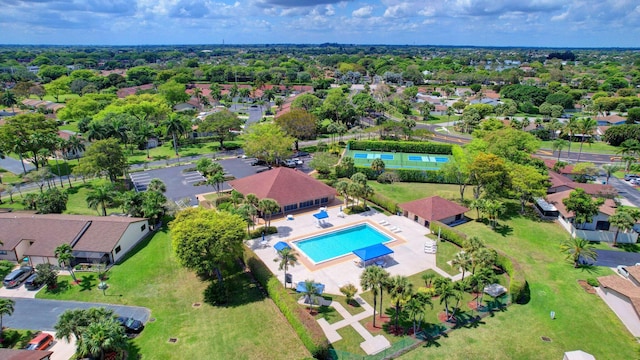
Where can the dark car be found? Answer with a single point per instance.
(33, 283)
(16, 277)
(301, 154)
(258, 162)
(131, 325)
(40, 342)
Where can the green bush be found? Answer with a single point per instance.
(5, 267)
(222, 199)
(384, 202)
(304, 325)
(448, 233)
(408, 175)
(401, 146)
(388, 177)
(355, 209)
(254, 234)
(593, 282)
(518, 286)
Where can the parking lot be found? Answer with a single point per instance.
(181, 184)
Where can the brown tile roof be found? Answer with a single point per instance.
(624, 287)
(550, 163)
(609, 207)
(16, 354)
(49, 231)
(634, 271)
(612, 119)
(434, 208)
(124, 92)
(286, 186)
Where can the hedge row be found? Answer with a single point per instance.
(518, 286)
(256, 233)
(448, 233)
(408, 175)
(384, 202)
(303, 323)
(401, 146)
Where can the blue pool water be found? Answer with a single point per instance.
(342, 242)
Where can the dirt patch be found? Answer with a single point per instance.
(588, 288)
(380, 321)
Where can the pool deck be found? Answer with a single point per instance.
(409, 257)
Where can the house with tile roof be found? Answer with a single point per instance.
(433, 208)
(292, 189)
(599, 229)
(623, 297)
(105, 239)
(20, 354)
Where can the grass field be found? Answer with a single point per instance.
(250, 327)
(398, 160)
(597, 147)
(582, 320)
(404, 192)
(166, 151)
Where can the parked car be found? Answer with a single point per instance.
(131, 325)
(301, 154)
(289, 163)
(257, 162)
(631, 176)
(263, 170)
(623, 271)
(16, 277)
(40, 342)
(33, 283)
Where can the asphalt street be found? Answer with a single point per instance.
(38, 314)
(626, 190)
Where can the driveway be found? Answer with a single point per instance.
(38, 314)
(14, 166)
(612, 258)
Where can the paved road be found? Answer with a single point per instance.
(626, 190)
(13, 165)
(38, 314)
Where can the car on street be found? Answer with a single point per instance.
(257, 162)
(131, 325)
(290, 163)
(301, 154)
(17, 276)
(629, 177)
(33, 283)
(41, 342)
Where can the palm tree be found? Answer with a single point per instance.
(175, 127)
(447, 292)
(101, 337)
(268, 207)
(629, 149)
(482, 278)
(610, 169)
(463, 261)
(288, 257)
(578, 249)
(479, 205)
(416, 307)
(157, 185)
(494, 208)
(70, 322)
(624, 219)
(378, 166)
(428, 278)
(102, 196)
(558, 145)
(310, 291)
(570, 128)
(236, 197)
(370, 280)
(64, 254)
(76, 145)
(9, 99)
(216, 180)
(6, 308)
(586, 126)
(400, 289)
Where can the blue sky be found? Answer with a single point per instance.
(544, 23)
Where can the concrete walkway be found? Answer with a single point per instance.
(371, 344)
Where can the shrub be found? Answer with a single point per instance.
(518, 286)
(355, 209)
(304, 325)
(5, 267)
(593, 282)
(448, 233)
(254, 234)
(408, 175)
(389, 204)
(222, 199)
(388, 177)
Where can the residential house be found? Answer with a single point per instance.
(610, 120)
(623, 297)
(292, 189)
(19, 354)
(434, 208)
(105, 239)
(599, 229)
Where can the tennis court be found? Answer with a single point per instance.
(399, 160)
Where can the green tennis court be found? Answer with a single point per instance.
(398, 160)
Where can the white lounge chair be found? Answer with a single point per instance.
(397, 230)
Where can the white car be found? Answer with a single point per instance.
(623, 271)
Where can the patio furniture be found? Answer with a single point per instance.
(383, 223)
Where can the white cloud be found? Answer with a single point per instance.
(363, 12)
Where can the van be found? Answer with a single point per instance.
(32, 282)
(16, 277)
(40, 342)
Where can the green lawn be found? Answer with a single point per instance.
(403, 192)
(9, 177)
(250, 327)
(597, 147)
(582, 320)
(445, 253)
(166, 151)
(515, 333)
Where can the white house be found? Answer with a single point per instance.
(34, 238)
(599, 229)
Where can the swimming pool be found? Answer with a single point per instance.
(342, 242)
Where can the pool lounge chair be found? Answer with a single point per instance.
(383, 223)
(396, 230)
